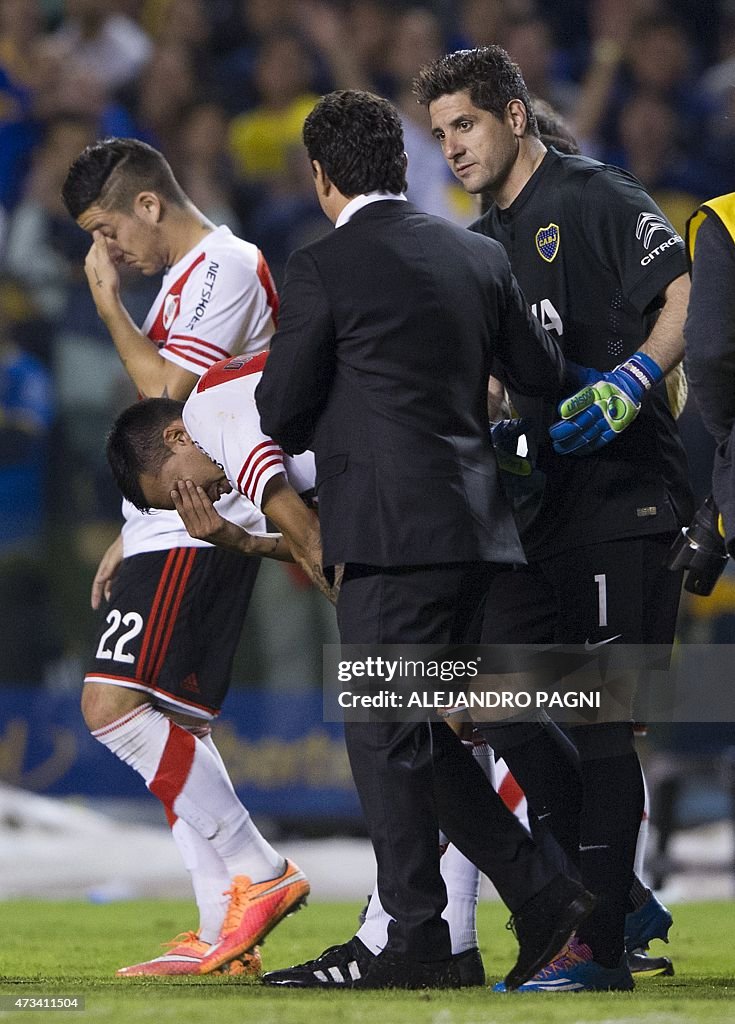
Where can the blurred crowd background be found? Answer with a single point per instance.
(222, 88)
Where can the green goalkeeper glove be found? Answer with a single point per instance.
(602, 410)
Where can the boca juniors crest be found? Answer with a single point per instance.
(547, 242)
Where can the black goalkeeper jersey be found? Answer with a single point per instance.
(592, 253)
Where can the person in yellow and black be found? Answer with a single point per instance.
(709, 335)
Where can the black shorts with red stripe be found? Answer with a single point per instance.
(172, 625)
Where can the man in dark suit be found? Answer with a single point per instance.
(389, 328)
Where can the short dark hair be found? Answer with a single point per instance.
(487, 73)
(357, 138)
(112, 172)
(135, 444)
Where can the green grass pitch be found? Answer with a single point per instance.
(61, 949)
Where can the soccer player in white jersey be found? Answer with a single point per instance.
(166, 454)
(171, 605)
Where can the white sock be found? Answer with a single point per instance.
(373, 932)
(209, 878)
(639, 865)
(460, 875)
(461, 878)
(186, 777)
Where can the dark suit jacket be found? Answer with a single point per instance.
(387, 332)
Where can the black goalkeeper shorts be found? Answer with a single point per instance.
(618, 591)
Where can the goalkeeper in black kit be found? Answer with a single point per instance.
(604, 270)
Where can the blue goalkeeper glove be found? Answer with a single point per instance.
(523, 482)
(604, 408)
(505, 435)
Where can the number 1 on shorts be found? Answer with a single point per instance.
(601, 582)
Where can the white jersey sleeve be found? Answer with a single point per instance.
(218, 301)
(222, 418)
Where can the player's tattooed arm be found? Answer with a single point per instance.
(149, 371)
(339, 571)
(300, 526)
(203, 522)
(315, 572)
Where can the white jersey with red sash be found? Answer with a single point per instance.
(222, 419)
(216, 302)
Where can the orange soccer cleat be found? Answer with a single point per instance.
(254, 910)
(186, 955)
(247, 965)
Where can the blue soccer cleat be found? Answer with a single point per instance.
(574, 970)
(651, 921)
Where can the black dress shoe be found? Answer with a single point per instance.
(392, 970)
(544, 924)
(470, 968)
